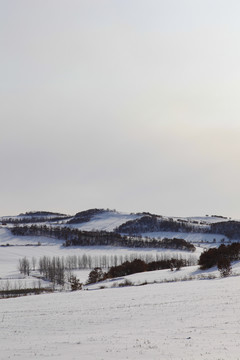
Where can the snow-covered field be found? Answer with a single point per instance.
(173, 321)
(185, 314)
(18, 249)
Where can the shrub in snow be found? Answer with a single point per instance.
(75, 283)
(224, 266)
(95, 275)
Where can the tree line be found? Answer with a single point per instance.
(76, 237)
(133, 267)
(231, 229)
(33, 219)
(58, 270)
(154, 223)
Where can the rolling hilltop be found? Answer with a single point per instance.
(201, 229)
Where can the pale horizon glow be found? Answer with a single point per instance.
(129, 105)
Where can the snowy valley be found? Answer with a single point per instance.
(185, 313)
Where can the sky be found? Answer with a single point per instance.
(123, 104)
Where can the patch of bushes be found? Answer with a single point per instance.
(125, 283)
(220, 257)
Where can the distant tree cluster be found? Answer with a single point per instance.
(138, 265)
(154, 223)
(219, 256)
(42, 213)
(84, 261)
(24, 266)
(55, 270)
(78, 262)
(85, 216)
(59, 270)
(219, 216)
(34, 219)
(133, 267)
(52, 269)
(231, 229)
(75, 237)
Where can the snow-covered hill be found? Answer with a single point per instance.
(176, 315)
(141, 223)
(14, 248)
(105, 220)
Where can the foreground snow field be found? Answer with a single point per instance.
(182, 320)
(167, 319)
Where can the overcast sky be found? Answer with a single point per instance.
(123, 104)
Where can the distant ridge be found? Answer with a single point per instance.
(42, 213)
(87, 215)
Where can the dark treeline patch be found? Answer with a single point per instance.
(23, 292)
(42, 213)
(133, 267)
(85, 216)
(34, 219)
(231, 229)
(75, 237)
(138, 265)
(212, 256)
(153, 223)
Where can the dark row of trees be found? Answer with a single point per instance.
(75, 237)
(78, 262)
(147, 223)
(154, 223)
(138, 265)
(73, 262)
(231, 229)
(133, 267)
(33, 219)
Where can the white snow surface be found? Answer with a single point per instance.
(17, 249)
(106, 221)
(171, 321)
(169, 318)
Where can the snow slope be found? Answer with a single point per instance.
(194, 238)
(170, 321)
(107, 221)
(6, 237)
